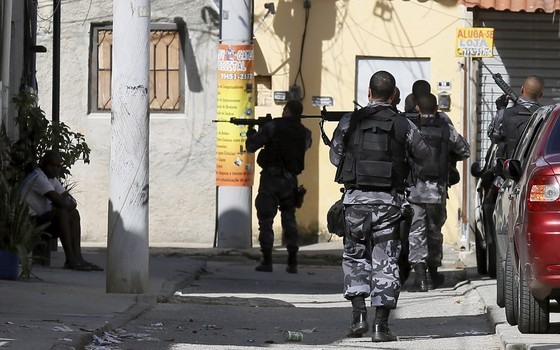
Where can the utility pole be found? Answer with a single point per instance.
(236, 96)
(127, 237)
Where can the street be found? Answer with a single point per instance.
(231, 306)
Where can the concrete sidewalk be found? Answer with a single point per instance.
(63, 309)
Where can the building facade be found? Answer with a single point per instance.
(323, 50)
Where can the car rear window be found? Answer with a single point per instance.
(553, 144)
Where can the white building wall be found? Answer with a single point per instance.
(182, 157)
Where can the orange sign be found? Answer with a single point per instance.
(234, 166)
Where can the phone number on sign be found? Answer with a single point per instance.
(234, 76)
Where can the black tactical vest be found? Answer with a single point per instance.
(514, 122)
(287, 147)
(374, 160)
(436, 133)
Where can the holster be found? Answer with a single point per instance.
(300, 194)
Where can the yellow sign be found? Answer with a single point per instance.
(474, 42)
(234, 166)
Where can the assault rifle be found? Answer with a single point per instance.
(325, 116)
(246, 121)
(501, 83)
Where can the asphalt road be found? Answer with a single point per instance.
(233, 307)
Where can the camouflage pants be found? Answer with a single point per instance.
(428, 217)
(417, 240)
(371, 252)
(277, 191)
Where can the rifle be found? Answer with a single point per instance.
(325, 116)
(245, 121)
(331, 117)
(501, 83)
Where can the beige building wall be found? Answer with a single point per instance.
(182, 146)
(337, 33)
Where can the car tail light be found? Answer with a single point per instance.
(543, 193)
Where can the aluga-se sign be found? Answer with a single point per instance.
(474, 42)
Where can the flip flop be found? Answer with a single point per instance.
(78, 267)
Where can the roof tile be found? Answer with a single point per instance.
(548, 6)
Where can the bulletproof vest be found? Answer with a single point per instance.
(436, 133)
(374, 158)
(287, 147)
(414, 117)
(514, 122)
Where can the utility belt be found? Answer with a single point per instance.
(278, 171)
(393, 191)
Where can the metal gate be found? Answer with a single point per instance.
(524, 44)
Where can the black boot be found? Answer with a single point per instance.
(266, 262)
(435, 278)
(381, 331)
(359, 318)
(420, 279)
(292, 260)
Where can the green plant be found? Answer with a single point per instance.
(37, 135)
(18, 232)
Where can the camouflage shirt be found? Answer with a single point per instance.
(417, 149)
(431, 191)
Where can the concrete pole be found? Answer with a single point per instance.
(5, 70)
(233, 228)
(57, 4)
(127, 238)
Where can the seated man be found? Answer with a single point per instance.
(48, 201)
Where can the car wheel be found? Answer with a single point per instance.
(511, 291)
(500, 281)
(491, 259)
(533, 314)
(480, 254)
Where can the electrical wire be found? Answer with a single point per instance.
(299, 74)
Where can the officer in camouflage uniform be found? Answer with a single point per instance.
(285, 141)
(371, 148)
(428, 194)
(507, 126)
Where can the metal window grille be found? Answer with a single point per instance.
(165, 71)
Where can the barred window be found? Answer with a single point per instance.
(166, 74)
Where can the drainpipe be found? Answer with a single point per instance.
(6, 51)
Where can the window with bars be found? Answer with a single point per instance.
(166, 73)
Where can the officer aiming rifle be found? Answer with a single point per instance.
(325, 116)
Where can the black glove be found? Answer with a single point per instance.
(251, 131)
(502, 102)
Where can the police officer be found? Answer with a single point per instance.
(428, 193)
(506, 127)
(371, 148)
(284, 141)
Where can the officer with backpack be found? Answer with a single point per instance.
(508, 124)
(428, 194)
(372, 149)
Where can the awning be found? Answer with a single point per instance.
(548, 6)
